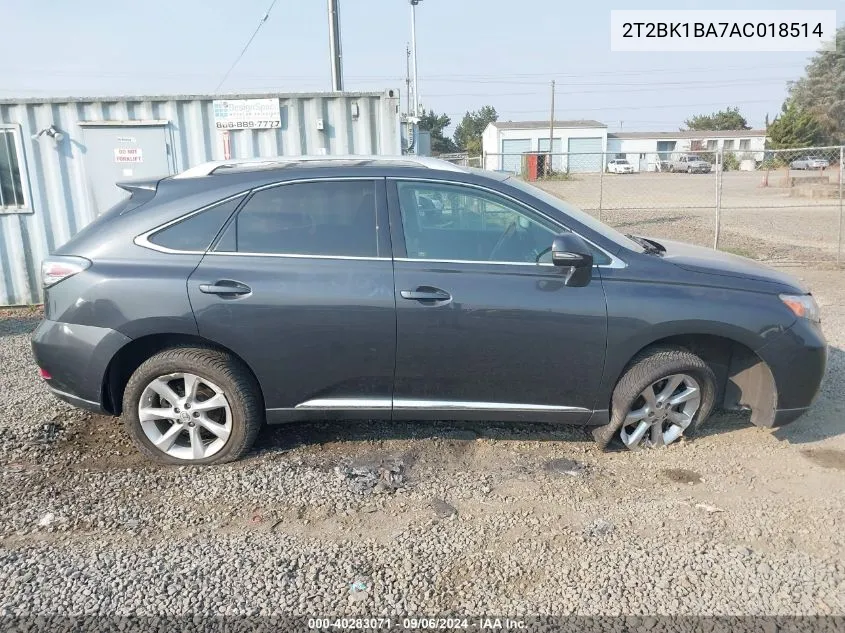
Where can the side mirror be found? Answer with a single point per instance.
(570, 250)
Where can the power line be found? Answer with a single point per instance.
(249, 41)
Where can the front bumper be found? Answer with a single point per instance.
(76, 357)
(797, 360)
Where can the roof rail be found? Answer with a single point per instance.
(207, 169)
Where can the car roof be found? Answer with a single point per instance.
(261, 171)
(288, 162)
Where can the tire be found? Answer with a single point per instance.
(235, 423)
(647, 371)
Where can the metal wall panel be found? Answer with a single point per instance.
(59, 189)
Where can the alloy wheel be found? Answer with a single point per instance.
(185, 416)
(662, 412)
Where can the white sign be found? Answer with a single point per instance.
(128, 155)
(722, 30)
(235, 114)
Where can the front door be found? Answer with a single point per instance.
(300, 286)
(123, 152)
(483, 330)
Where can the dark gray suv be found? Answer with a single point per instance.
(245, 292)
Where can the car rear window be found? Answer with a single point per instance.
(196, 232)
(328, 218)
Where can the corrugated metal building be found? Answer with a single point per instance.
(60, 158)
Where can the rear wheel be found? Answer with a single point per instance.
(192, 406)
(664, 394)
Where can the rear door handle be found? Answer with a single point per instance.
(225, 287)
(433, 294)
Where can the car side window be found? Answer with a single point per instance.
(329, 218)
(196, 232)
(452, 222)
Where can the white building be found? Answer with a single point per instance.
(504, 143)
(645, 149)
(579, 145)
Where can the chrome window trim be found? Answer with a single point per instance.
(410, 404)
(299, 256)
(615, 262)
(143, 239)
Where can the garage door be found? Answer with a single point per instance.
(512, 150)
(585, 154)
(557, 152)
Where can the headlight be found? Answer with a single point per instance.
(803, 306)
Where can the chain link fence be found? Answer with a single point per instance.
(779, 205)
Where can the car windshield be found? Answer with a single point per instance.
(584, 218)
(622, 162)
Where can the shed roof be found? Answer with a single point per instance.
(544, 125)
(692, 134)
(191, 97)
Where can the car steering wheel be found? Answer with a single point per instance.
(502, 239)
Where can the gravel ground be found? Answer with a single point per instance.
(381, 519)
(765, 223)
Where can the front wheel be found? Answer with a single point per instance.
(664, 394)
(192, 406)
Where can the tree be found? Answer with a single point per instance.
(436, 123)
(794, 127)
(821, 92)
(727, 119)
(468, 133)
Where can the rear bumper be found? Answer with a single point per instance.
(76, 357)
(79, 403)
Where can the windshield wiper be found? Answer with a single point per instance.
(648, 245)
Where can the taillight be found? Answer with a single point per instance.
(59, 268)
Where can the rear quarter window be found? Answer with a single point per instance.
(197, 231)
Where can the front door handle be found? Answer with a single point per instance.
(225, 287)
(426, 294)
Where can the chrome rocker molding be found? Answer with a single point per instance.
(403, 403)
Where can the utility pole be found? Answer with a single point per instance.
(414, 4)
(551, 132)
(408, 78)
(334, 46)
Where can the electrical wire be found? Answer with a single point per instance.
(252, 37)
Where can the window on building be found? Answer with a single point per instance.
(745, 143)
(712, 145)
(11, 177)
(329, 218)
(196, 232)
(729, 145)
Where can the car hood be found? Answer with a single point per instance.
(711, 262)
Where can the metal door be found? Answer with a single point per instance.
(585, 154)
(123, 152)
(512, 151)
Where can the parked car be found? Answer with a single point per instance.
(620, 166)
(690, 163)
(239, 293)
(809, 162)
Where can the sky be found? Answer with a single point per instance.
(470, 53)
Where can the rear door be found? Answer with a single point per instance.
(300, 285)
(484, 331)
